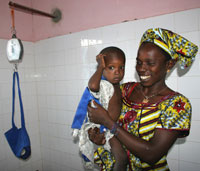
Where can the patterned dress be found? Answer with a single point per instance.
(172, 112)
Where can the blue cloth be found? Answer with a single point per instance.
(85, 158)
(18, 138)
(81, 112)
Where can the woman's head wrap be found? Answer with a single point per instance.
(176, 46)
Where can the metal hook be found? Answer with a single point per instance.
(13, 31)
(15, 67)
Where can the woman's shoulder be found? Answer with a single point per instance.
(127, 88)
(176, 101)
(128, 84)
(175, 114)
(174, 96)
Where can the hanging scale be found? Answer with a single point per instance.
(14, 45)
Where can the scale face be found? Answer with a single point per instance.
(14, 50)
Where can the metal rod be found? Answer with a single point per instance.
(29, 10)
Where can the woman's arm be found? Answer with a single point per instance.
(148, 151)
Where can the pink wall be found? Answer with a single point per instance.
(81, 15)
(23, 22)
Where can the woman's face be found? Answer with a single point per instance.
(151, 65)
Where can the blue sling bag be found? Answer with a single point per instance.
(18, 138)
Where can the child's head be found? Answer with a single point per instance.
(115, 64)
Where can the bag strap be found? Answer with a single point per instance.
(15, 74)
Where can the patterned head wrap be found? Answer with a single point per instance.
(178, 47)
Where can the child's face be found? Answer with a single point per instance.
(114, 69)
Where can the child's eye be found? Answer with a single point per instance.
(122, 67)
(111, 67)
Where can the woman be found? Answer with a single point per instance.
(153, 116)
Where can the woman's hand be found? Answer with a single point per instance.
(96, 137)
(98, 114)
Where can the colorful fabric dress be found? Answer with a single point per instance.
(172, 112)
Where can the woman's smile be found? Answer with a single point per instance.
(145, 77)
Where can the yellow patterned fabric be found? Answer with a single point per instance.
(104, 159)
(173, 112)
(177, 46)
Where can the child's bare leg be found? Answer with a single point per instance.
(121, 159)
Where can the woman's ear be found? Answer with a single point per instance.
(170, 64)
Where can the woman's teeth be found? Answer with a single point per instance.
(144, 77)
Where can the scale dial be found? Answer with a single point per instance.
(14, 50)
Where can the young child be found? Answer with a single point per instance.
(104, 86)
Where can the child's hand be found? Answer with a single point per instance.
(92, 104)
(96, 137)
(100, 60)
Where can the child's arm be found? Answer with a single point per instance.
(94, 82)
(115, 103)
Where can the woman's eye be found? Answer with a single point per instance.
(139, 63)
(151, 63)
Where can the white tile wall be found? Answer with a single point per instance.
(185, 166)
(54, 73)
(8, 162)
(190, 19)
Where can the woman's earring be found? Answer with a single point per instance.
(168, 70)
